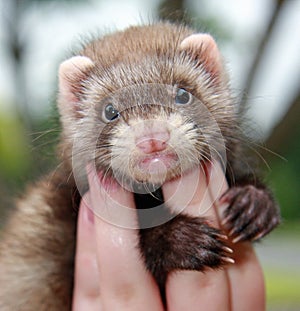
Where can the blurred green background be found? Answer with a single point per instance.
(260, 41)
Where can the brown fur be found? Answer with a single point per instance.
(37, 245)
(37, 248)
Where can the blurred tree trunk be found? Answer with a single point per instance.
(258, 57)
(287, 130)
(17, 47)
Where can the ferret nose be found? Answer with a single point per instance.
(153, 142)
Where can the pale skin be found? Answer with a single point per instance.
(110, 274)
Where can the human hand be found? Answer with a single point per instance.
(110, 273)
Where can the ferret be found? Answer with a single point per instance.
(143, 105)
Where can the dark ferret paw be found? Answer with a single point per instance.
(251, 214)
(187, 244)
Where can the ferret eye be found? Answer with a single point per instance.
(183, 97)
(110, 113)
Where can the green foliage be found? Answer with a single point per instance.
(44, 140)
(285, 181)
(26, 156)
(283, 287)
(14, 152)
(283, 280)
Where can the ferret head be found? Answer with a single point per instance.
(146, 104)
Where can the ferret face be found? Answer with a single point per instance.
(150, 117)
(148, 134)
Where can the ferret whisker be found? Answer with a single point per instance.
(268, 150)
(40, 145)
(41, 134)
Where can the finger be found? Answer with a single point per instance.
(86, 295)
(217, 186)
(246, 280)
(191, 290)
(245, 276)
(124, 282)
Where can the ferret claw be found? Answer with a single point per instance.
(228, 259)
(258, 236)
(225, 221)
(238, 239)
(227, 249)
(221, 236)
(231, 232)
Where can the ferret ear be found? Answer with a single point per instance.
(71, 74)
(203, 48)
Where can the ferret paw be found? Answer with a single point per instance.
(197, 246)
(186, 244)
(251, 214)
